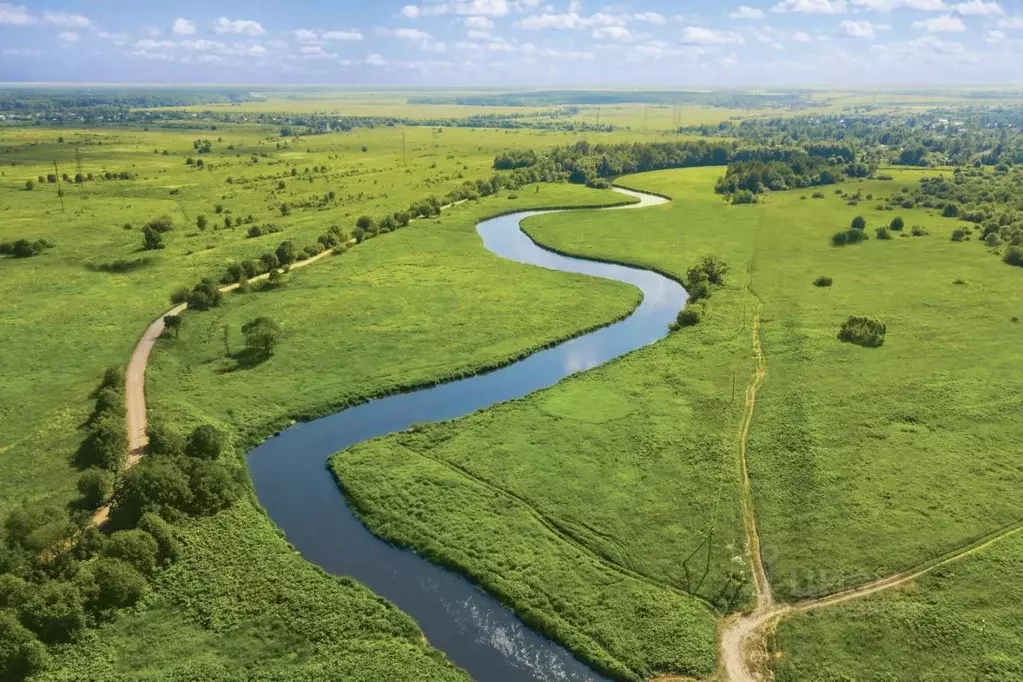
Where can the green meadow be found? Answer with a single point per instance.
(606, 510)
(82, 305)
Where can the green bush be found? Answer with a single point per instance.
(918, 231)
(858, 223)
(179, 295)
(21, 654)
(897, 224)
(883, 233)
(213, 487)
(164, 441)
(55, 611)
(168, 547)
(206, 442)
(106, 446)
(95, 487)
(108, 584)
(155, 485)
(689, 316)
(205, 295)
(13, 591)
(863, 331)
(823, 281)
(1014, 256)
(136, 548)
(958, 234)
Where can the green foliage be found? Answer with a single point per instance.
(206, 442)
(168, 547)
(21, 654)
(30, 185)
(883, 233)
(162, 224)
(285, 253)
(164, 440)
(850, 236)
(863, 331)
(110, 583)
(959, 234)
(156, 485)
(1014, 256)
(205, 295)
(54, 611)
(95, 487)
(261, 336)
(136, 548)
(699, 279)
(689, 316)
(858, 223)
(823, 281)
(897, 224)
(23, 248)
(151, 239)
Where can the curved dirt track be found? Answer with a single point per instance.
(135, 382)
(743, 644)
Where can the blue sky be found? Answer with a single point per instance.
(532, 43)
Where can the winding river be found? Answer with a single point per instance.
(294, 485)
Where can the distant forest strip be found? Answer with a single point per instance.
(734, 100)
(299, 124)
(959, 136)
(752, 169)
(61, 99)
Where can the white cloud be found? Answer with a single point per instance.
(651, 18)
(18, 52)
(1011, 23)
(978, 8)
(802, 37)
(995, 36)
(479, 23)
(68, 36)
(405, 33)
(889, 5)
(376, 60)
(183, 27)
(239, 26)
(570, 20)
(66, 20)
(612, 33)
(857, 29)
(746, 12)
(810, 6)
(15, 15)
(941, 25)
(696, 35)
(410, 11)
(342, 36)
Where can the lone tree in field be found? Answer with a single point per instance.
(201, 222)
(897, 224)
(261, 336)
(172, 322)
(863, 331)
(151, 239)
(858, 223)
(30, 185)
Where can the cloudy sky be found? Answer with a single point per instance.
(516, 42)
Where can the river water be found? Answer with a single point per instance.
(295, 487)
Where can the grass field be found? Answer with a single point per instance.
(67, 319)
(857, 471)
(961, 622)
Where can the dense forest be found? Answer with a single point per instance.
(20, 100)
(960, 136)
(755, 168)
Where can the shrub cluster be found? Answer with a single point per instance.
(863, 331)
(265, 228)
(699, 283)
(106, 442)
(823, 281)
(23, 248)
(59, 577)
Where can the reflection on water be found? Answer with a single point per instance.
(297, 490)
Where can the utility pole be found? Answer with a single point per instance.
(60, 191)
(78, 163)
